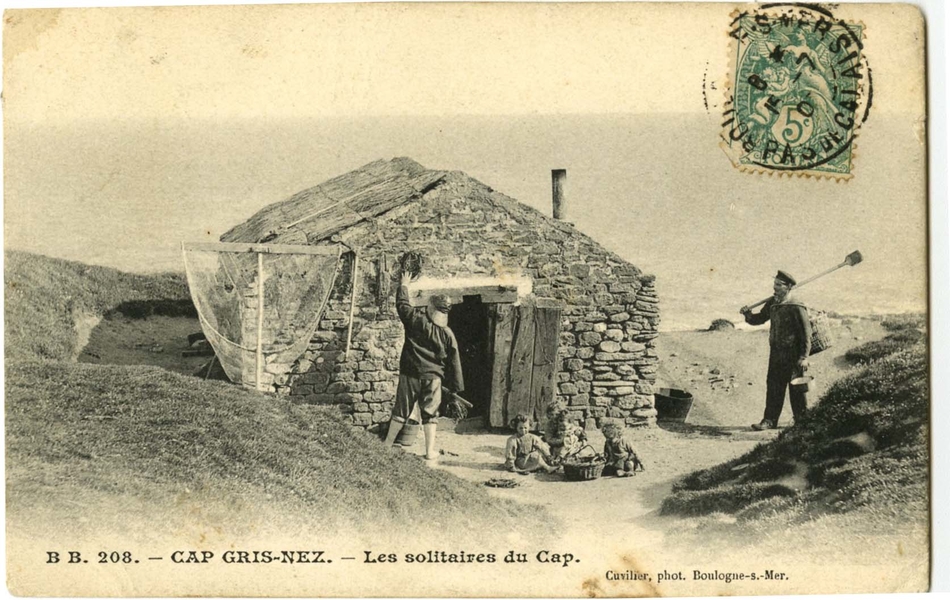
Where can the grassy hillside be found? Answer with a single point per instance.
(78, 431)
(101, 447)
(865, 445)
(45, 297)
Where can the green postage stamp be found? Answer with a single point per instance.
(800, 90)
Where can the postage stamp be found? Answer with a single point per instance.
(800, 89)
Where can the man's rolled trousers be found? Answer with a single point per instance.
(429, 360)
(789, 347)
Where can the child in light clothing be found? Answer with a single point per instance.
(563, 436)
(526, 452)
(621, 457)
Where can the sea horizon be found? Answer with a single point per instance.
(654, 189)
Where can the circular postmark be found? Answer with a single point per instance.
(800, 88)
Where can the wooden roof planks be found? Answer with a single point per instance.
(341, 202)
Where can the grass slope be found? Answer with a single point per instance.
(46, 296)
(109, 445)
(863, 446)
(77, 430)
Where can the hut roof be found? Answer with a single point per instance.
(341, 202)
(317, 213)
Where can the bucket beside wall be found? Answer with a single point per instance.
(672, 404)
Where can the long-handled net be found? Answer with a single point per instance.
(259, 305)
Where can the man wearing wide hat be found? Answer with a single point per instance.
(789, 347)
(430, 360)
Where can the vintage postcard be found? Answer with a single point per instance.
(453, 300)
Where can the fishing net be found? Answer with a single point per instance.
(259, 305)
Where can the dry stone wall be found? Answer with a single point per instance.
(607, 360)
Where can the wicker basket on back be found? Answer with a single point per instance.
(820, 334)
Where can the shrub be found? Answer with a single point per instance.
(721, 325)
(904, 322)
(899, 340)
(726, 499)
(872, 351)
(865, 442)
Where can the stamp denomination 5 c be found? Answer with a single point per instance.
(800, 88)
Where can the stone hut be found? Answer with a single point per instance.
(542, 312)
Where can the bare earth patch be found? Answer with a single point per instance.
(725, 370)
(154, 340)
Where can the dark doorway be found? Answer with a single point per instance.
(469, 322)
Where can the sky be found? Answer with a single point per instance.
(128, 131)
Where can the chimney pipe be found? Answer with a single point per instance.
(558, 185)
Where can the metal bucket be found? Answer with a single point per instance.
(409, 434)
(672, 404)
(802, 384)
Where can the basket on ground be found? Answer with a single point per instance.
(583, 468)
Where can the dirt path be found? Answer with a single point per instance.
(614, 524)
(479, 456)
(610, 524)
(725, 371)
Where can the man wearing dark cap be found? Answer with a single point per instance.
(430, 359)
(789, 347)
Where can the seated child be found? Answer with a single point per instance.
(526, 452)
(563, 436)
(621, 458)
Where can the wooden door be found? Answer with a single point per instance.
(547, 334)
(524, 353)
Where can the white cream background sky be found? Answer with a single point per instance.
(130, 130)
